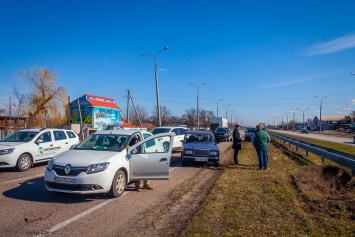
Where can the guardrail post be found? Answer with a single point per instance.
(296, 148)
(306, 152)
(322, 159)
(353, 173)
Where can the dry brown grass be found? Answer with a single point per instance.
(296, 197)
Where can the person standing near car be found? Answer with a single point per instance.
(237, 143)
(260, 142)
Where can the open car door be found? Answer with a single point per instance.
(149, 159)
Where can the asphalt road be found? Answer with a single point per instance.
(331, 138)
(28, 209)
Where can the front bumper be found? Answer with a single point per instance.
(82, 183)
(201, 158)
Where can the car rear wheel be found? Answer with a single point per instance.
(24, 162)
(119, 184)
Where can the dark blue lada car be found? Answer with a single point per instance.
(199, 146)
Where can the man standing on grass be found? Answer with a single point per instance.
(260, 142)
(237, 143)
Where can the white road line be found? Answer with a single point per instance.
(40, 175)
(83, 214)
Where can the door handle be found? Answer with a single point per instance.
(51, 145)
(66, 143)
(163, 160)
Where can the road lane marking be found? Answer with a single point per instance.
(81, 215)
(36, 176)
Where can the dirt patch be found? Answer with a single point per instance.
(170, 217)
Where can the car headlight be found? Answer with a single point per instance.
(214, 153)
(50, 165)
(97, 167)
(188, 152)
(6, 151)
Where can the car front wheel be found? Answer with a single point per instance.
(24, 162)
(119, 184)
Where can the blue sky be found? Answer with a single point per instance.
(261, 57)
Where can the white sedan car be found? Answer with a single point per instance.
(107, 160)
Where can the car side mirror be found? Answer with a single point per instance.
(39, 141)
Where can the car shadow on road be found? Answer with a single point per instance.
(35, 191)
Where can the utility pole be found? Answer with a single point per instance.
(128, 96)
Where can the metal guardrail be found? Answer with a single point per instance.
(338, 157)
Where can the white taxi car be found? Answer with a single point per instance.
(179, 135)
(107, 161)
(26, 147)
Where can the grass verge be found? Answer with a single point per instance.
(296, 197)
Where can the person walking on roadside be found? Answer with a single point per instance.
(237, 143)
(260, 142)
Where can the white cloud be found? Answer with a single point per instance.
(333, 46)
(347, 109)
(340, 112)
(162, 69)
(351, 102)
(286, 83)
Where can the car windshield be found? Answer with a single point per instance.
(199, 138)
(104, 142)
(20, 136)
(222, 130)
(160, 130)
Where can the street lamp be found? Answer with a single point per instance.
(217, 104)
(231, 111)
(156, 81)
(227, 106)
(303, 114)
(320, 112)
(198, 112)
(294, 110)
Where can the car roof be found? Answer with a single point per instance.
(42, 129)
(169, 127)
(121, 132)
(199, 132)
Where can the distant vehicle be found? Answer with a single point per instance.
(179, 135)
(249, 133)
(199, 146)
(107, 161)
(223, 134)
(349, 131)
(304, 130)
(26, 147)
(218, 122)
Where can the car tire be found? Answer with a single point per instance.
(216, 164)
(166, 146)
(24, 162)
(119, 184)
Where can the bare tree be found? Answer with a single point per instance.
(19, 105)
(190, 116)
(165, 115)
(141, 112)
(44, 94)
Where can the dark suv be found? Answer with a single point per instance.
(223, 134)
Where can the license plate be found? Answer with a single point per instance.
(64, 180)
(201, 159)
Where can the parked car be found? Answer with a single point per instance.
(304, 130)
(107, 161)
(26, 147)
(223, 134)
(349, 131)
(249, 133)
(179, 135)
(199, 146)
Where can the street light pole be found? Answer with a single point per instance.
(156, 81)
(217, 104)
(294, 110)
(198, 112)
(320, 112)
(227, 106)
(303, 114)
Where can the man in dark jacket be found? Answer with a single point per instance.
(237, 143)
(260, 142)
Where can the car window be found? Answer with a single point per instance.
(20, 136)
(182, 131)
(45, 137)
(176, 131)
(152, 146)
(71, 134)
(160, 130)
(104, 142)
(146, 135)
(59, 135)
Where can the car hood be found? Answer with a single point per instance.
(7, 145)
(82, 158)
(199, 145)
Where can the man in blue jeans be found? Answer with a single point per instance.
(260, 142)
